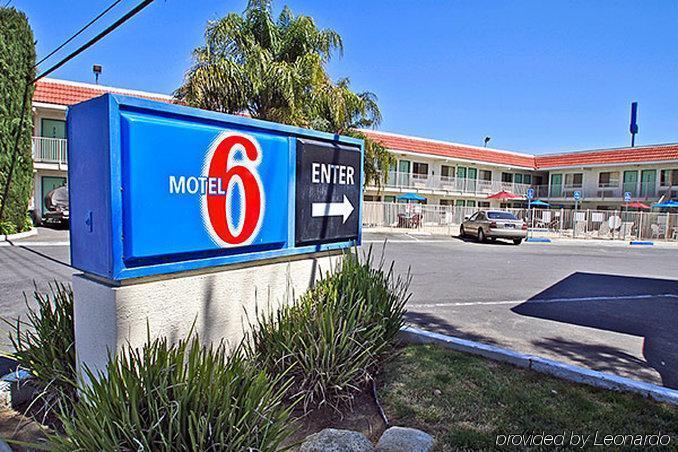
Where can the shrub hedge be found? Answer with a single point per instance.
(17, 57)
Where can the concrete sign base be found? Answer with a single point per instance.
(215, 304)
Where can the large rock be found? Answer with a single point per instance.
(402, 439)
(333, 440)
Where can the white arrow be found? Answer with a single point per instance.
(332, 209)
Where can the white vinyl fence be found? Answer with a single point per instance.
(585, 224)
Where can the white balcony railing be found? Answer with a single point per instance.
(642, 191)
(451, 184)
(50, 150)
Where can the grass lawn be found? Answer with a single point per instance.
(465, 401)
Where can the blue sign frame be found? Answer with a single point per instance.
(104, 188)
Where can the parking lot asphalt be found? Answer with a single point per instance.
(608, 308)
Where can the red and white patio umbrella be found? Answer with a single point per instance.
(637, 205)
(504, 195)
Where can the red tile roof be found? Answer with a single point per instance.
(61, 92)
(452, 150)
(621, 156)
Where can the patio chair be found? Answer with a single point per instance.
(604, 229)
(626, 229)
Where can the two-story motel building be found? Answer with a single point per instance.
(444, 173)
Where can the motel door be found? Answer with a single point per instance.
(404, 173)
(556, 190)
(472, 175)
(631, 182)
(648, 183)
(49, 183)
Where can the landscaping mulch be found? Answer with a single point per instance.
(363, 416)
(14, 426)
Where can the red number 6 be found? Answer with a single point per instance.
(222, 165)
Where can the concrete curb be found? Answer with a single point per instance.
(543, 365)
(20, 235)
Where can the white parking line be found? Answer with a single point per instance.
(548, 300)
(17, 244)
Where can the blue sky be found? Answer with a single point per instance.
(536, 76)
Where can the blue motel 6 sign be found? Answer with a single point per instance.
(159, 188)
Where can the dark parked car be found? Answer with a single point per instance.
(56, 202)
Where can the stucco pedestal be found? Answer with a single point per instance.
(216, 305)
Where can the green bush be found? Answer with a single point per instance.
(44, 343)
(7, 227)
(333, 339)
(182, 397)
(17, 57)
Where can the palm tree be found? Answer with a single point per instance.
(275, 70)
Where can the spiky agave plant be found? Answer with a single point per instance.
(335, 337)
(44, 345)
(188, 396)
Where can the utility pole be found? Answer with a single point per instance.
(633, 127)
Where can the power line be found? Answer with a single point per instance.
(65, 60)
(95, 39)
(66, 42)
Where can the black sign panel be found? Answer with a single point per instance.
(327, 192)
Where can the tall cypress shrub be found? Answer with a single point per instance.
(17, 58)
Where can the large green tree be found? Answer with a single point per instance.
(17, 60)
(275, 69)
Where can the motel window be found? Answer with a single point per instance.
(52, 128)
(527, 179)
(668, 178)
(371, 198)
(537, 180)
(470, 203)
(447, 171)
(420, 169)
(460, 203)
(446, 202)
(518, 178)
(483, 204)
(608, 179)
(389, 198)
(574, 180)
(506, 177)
(485, 175)
(461, 172)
